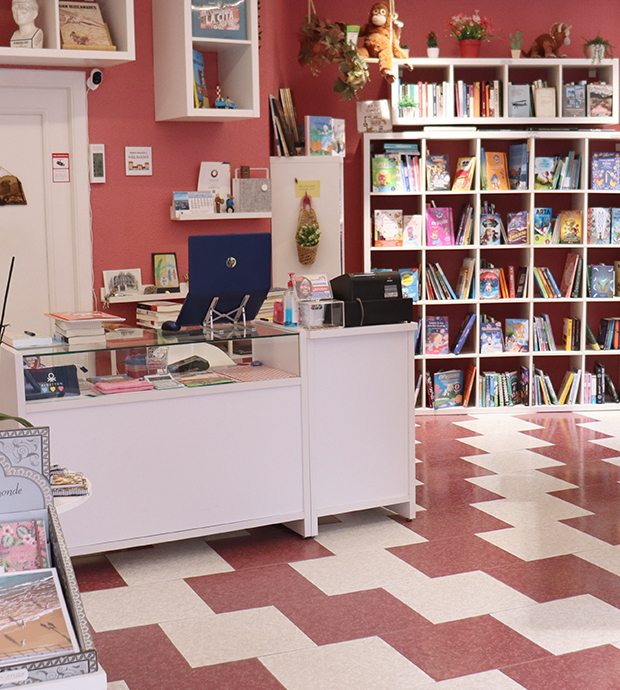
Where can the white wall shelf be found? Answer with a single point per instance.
(200, 215)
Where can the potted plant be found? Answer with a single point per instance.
(515, 44)
(7, 417)
(597, 49)
(470, 31)
(307, 238)
(432, 47)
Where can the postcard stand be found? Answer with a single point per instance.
(24, 486)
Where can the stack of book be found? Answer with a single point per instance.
(153, 314)
(79, 328)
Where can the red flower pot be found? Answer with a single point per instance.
(470, 47)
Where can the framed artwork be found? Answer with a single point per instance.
(127, 281)
(165, 273)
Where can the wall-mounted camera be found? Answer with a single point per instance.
(94, 81)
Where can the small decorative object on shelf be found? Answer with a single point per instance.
(550, 45)
(597, 49)
(27, 35)
(432, 47)
(308, 234)
(516, 41)
(470, 31)
(382, 38)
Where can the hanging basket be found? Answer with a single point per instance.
(307, 255)
(307, 217)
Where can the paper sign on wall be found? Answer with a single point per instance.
(60, 167)
(309, 187)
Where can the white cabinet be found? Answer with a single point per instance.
(235, 63)
(118, 15)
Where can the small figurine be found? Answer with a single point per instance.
(28, 35)
(218, 202)
(225, 103)
(230, 206)
(550, 45)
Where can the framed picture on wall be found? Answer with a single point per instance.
(126, 281)
(165, 272)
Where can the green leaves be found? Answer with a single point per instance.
(308, 235)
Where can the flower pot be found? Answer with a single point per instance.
(433, 52)
(596, 52)
(470, 47)
(516, 53)
(307, 255)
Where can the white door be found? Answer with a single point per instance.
(42, 114)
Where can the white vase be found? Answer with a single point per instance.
(516, 53)
(596, 52)
(433, 53)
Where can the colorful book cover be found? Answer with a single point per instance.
(615, 225)
(388, 228)
(600, 97)
(570, 227)
(384, 174)
(464, 175)
(437, 172)
(437, 335)
(448, 389)
(201, 99)
(412, 232)
(439, 226)
(599, 225)
(605, 169)
(490, 228)
(517, 335)
(319, 135)
(489, 283)
(410, 283)
(491, 338)
(518, 164)
(517, 228)
(543, 227)
(496, 170)
(23, 545)
(544, 167)
(602, 281)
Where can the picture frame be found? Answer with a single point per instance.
(127, 281)
(166, 272)
(219, 19)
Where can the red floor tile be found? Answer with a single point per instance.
(594, 497)
(429, 428)
(590, 669)
(465, 647)
(592, 471)
(96, 572)
(604, 525)
(446, 471)
(436, 492)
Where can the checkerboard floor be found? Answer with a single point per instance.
(508, 578)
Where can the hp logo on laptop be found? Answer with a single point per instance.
(231, 262)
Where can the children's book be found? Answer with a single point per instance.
(412, 232)
(319, 135)
(602, 281)
(518, 164)
(544, 167)
(543, 227)
(517, 228)
(464, 331)
(599, 225)
(496, 170)
(570, 227)
(568, 276)
(374, 116)
(517, 335)
(448, 389)
(605, 170)
(388, 228)
(23, 545)
(491, 338)
(410, 283)
(201, 99)
(437, 172)
(464, 175)
(489, 283)
(490, 228)
(615, 225)
(384, 174)
(437, 335)
(439, 226)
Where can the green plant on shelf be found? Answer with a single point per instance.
(516, 40)
(597, 48)
(431, 40)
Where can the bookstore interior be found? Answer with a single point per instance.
(480, 268)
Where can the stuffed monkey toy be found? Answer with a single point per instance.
(381, 41)
(549, 45)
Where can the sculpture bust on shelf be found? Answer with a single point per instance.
(28, 35)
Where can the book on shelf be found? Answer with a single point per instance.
(602, 280)
(465, 278)
(516, 232)
(544, 101)
(570, 333)
(608, 333)
(98, 339)
(410, 283)
(374, 116)
(437, 335)
(599, 373)
(591, 340)
(437, 172)
(574, 101)
(489, 283)
(384, 174)
(491, 338)
(339, 137)
(517, 335)
(523, 385)
(285, 132)
(23, 545)
(547, 287)
(412, 230)
(570, 227)
(22, 339)
(605, 170)
(160, 306)
(518, 165)
(466, 226)
(519, 100)
(388, 228)
(290, 113)
(463, 332)
(568, 275)
(521, 281)
(546, 394)
(599, 98)
(468, 384)
(319, 135)
(543, 226)
(448, 388)
(599, 225)
(617, 278)
(615, 226)
(430, 390)
(543, 334)
(544, 168)
(82, 26)
(83, 317)
(490, 228)
(464, 174)
(437, 285)
(201, 97)
(439, 226)
(496, 169)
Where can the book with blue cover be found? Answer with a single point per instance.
(409, 283)
(491, 338)
(602, 282)
(518, 165)
(543, 226)
(605, 170)
(517, 335)
(448, 387)
(464, 331)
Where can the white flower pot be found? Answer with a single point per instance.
(432, 53)
(516, 53)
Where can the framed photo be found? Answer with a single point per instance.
(165, 273)
(127, 281)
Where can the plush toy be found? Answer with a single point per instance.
(381, 40)
(549, 45)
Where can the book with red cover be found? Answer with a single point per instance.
(568, 277)
(470, 375)
(439, 226)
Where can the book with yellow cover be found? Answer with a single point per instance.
(464, 174)
(496, 170)
(82, 26)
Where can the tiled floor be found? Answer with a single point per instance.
(508, 578)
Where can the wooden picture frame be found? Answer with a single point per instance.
(165, 272)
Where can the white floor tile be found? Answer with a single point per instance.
(173, 560)
(521, 484)
(354, 572)
(237, 635)
(493, 443)
(536, 510)
(606, 557)
(366, 664)
(128, 607)
(612, 443)
(533, 542)
(118, 685)
(497, 424)
(508, 461)
(489, 680)
(566, 625)
(455, 597)
(612, 461)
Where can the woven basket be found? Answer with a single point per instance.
(307, 255)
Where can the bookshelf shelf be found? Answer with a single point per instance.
(591, 310)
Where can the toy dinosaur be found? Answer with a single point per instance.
(549, 45)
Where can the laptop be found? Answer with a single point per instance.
(228, 267)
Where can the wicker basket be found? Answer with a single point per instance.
(307, 255)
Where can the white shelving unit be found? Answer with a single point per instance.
(555, 72)
(237, 65)
(457, 143)
(118, 15)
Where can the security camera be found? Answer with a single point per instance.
(94, 81)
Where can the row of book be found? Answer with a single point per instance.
(424, 99)
(397, 169)
(579, 100)
(557, 172)
(478, 99)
